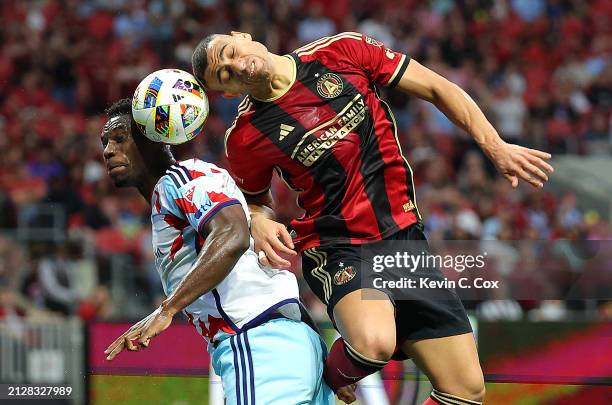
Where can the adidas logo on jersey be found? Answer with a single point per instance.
(285, 130)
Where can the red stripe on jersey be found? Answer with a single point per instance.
(363, 220)
(395, 170)
(175, 222)
(178, 224)
(190, 318)
(195, 174)
(204, 329)
(218, 197)
(185, 205)
(333, 87)
(176, 245)
(364, 214)
(218, 324)
(261, 145)
(157, 202)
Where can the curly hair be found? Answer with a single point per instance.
(120, 107)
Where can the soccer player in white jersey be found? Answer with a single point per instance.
(250, 315)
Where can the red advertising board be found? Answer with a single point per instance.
(177, 351)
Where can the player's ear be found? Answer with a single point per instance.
(242, 35)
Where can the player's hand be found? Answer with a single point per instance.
(347, 393)
(271, 238)
(141, 332)
(516, 162)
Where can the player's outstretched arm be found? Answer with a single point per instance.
(270, 236)
(512, 161)
(227, 238)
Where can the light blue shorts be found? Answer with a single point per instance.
(277, 363)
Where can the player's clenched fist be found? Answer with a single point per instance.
(271, 238)
(141, 332)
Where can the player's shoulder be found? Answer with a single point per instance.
(235, 134)
(342, 42)
(185, 172)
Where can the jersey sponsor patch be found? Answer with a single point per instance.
(330, 85)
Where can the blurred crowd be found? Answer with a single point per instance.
(540, 69)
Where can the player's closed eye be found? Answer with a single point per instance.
(225, 74)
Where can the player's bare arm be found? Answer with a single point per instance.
(269, 235)
(512, 161)
(227, 239)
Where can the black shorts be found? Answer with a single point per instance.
(333, 272)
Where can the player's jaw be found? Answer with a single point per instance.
(120, 174)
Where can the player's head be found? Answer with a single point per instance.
(233, 64)
(130, 157)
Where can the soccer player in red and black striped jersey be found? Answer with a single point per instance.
(315, 118)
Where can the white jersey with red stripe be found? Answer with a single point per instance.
(183, 201)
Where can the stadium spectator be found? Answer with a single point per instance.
(551, 91)
(57, 279)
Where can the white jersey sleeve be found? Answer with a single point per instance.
(197, 196)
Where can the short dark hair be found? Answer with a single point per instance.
(123, 107)
(199, 59)
(120, 107)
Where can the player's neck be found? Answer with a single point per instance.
(149, 181)
(283, 76)
(146, 187)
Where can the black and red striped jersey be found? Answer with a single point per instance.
(331, 138)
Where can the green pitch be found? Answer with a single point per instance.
(150, 390)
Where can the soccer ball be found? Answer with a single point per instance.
(170, 106)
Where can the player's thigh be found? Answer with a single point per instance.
(287, 358)
(451, 363)
(366, 319)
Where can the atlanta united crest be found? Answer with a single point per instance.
(344, 275)
(330, 85)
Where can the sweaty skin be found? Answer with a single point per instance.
(227, 233)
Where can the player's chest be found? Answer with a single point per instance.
(324, 113)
